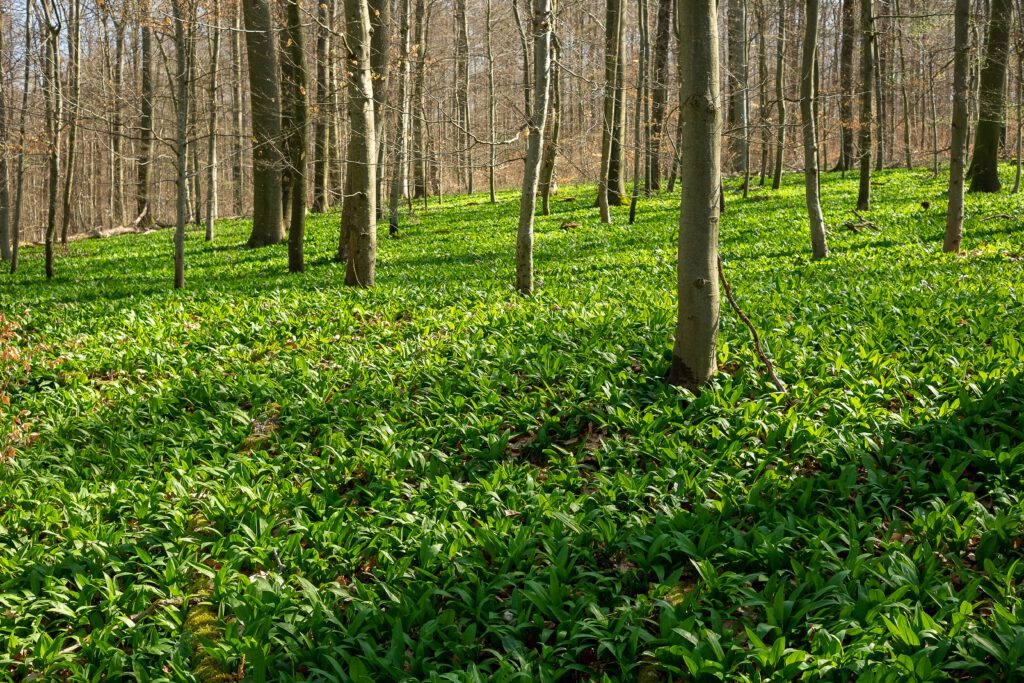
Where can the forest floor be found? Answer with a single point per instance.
(275, 477)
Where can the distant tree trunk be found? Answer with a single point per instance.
(611, 58)
(402, 120)
(182, 53)
(935, 119)
(5, 195)
(20, 172)
(265, 97)
(295, 90)
(957, 152)
(75, 83)
(641, 85)
(359, 212)
(419, 137)
(849, 38)
(762, 94)
(1020, 122)
(694, 355)
(984, 169)
(659, 88)
(738, 99)
(548, 184)
(321, 130)
(867, 79)
(211, 144)
(780, 96)
(117, 126)
(808, 97)
(145, 163)
(491, 112)
(880, 71)
(908, 158)
(464, 138)
(542, 20)
(617, 167)
(524, 45)
(380, 55)
(238, 160)
(51, 81)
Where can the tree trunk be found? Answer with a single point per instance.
(548, 184)
(321, 130)
(694, 355)
(265, 98)
(145, 164)
(808, 97)
(867, 80)
(183, 70)
(19, 194)
(780, 97)
(464, 138)
(613, 19)
(641, 85)
(848, 40)
(402, 121)
(908, 158)
(617, 166)
(295, 90)
(542, 21)
(380, 51)
(237, 176)
(211, 144)
(117, 127)
(5, 195)
(659, 88)
(53, 123)
(75, 78)
(419, 136)
(359, 212)
(492, 162)
(738, 100)
(984, 169)
(957, 152)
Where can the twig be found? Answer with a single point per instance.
(769, 367)
(1000, 216)
(864, 222)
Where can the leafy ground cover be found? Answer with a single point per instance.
(271, 477)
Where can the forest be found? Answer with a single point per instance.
(511, 340)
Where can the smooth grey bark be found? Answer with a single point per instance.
(211, 143)
(5, 195)
(492, 162)
(419, 123)
(380, 55)
(52, 88)
(957, 153)
(847, 44)
(984, 169)
(908, 160)
(265, 98)
(462, 114)
(780, 97)
(694, 354)
(541, 24)
(117, 126)
(808, 115)
(659, 88)
(617, 162)
(359, 211)
(867, 110)
(19, 181)
(548, 184)
(237, 99)
(738, 77)
(144, 166)
(641, 85)
(402, 120)
(321, 129)
(75, 84)
(613, 19)
(182, 73)
(298, 144)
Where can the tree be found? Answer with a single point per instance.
(465, 140)
(402, 120)
(75, 83)
(808, 111)
(641, 88)
(548, 185)
(659, 88)
(52, 87)
(295, 89)
(694, 355)
(542, 20)
(867, 78)
(19, 176)
(613, 19)
(322, 89)
(265, 99)
(211, 143)
(780, 97)
(419, 123)
(380, 54)
(182, 42)
(738, 76)
(984, 169)
(848, 40)
(359, 212)
(5, 195)
(957, 151)
(145, 154)
(492, 162)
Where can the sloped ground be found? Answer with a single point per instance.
(274, 477)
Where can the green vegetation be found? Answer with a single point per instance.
(274, 477)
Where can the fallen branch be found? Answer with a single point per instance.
(864, 222)
(769, 367)
(997, 216)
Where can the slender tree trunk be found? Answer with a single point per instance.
(659, 88)
(74, 76)
(617, 167)
(641, 84)
(612, 29)
(265, 97)
(5, 195)
(880, 71)
(935, 120)
(20, 172)
(762, 91)
(419, 136)
(237, 99)
(116, 126)
(524, 45)
(867, 113)
(984, 169)
(1020, 121)
(808, 97)
(957, 152)
(542, 29)
(780, 96)
(464, 138)
(694, 355)
(908, 158)
(211, 145)
(321, 131)
(359, 212)
(848, 40)
(295, 89)
(491, 112)
(182, 73)
(548, 184)
(738, 98)
(145, 163)
(402, 121)
(380, 54)
(52, 27)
